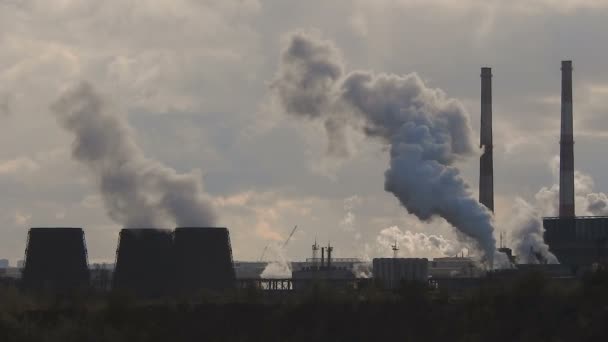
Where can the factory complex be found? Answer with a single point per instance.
(200, 258)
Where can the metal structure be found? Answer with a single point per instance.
(486, 167)
(202, 259)
(290, 235)
(395, 249)
(566, 162)
(55, 260)
(142, 260)
(285, 284)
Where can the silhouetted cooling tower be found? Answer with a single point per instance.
(143, 259)
(56, 260)
(203, 259)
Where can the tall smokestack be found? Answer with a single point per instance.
(566, 162)
(486, 168)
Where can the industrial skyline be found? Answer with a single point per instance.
(263, 173)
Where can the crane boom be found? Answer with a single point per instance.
(290, 235)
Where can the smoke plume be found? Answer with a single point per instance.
(426, 131)
(137, 191)
(279, 267)
(526, 229)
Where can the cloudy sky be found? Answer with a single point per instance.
(192, 78)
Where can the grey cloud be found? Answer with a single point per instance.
(137, 191)
(527, 231)
(307, 75)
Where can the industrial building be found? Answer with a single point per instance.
(455, 267)
(55, 260)
(325, 272)
(392, 272)
(577, 242)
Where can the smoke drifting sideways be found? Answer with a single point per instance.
(526, 234)
(137, 191)
(426, 131)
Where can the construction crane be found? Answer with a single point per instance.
(290, 235)
(282, 246)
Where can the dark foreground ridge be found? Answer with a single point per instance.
(530, 309)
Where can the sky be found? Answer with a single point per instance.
(193, 81)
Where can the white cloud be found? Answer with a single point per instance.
(18, 166)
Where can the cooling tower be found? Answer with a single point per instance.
(143, 259)
(202, 259)
(55, 260)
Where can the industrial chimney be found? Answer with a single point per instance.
(486, 168)
(566, 163)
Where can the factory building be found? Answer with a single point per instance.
(579, 241)
(325, 272)
(454, 267)
(392, 272)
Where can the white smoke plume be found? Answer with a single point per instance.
(426, 131)
(137, 191)
(279, 267)
(416, 244)
(349, 221)
(587, 202)
(526, 234)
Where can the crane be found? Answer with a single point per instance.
(290, 235)
(282, 246)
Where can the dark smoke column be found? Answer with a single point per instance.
(566, 164)
(486, 168)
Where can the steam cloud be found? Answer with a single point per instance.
(588, 202)
(279, 267)
(527, 230)
(426, 131)
(137, 191)
(416, 244)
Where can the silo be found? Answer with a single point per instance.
(56, 260)
(143, 262)
(202, 259)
